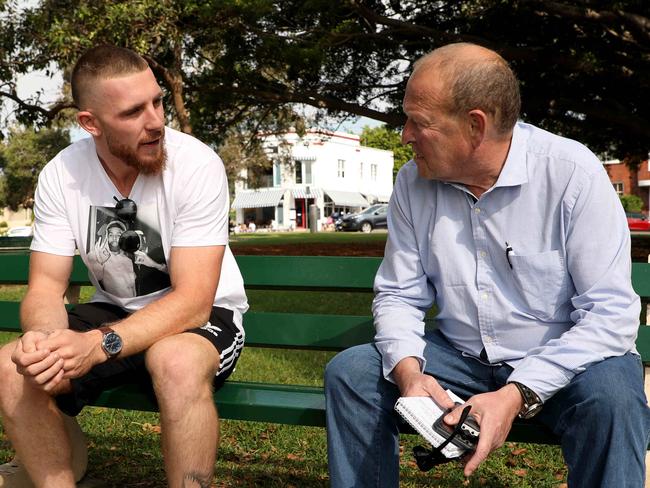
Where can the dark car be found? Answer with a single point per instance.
(371, 218)
(637, 221)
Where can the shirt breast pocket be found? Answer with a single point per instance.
(542, 280)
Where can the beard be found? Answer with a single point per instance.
(149, 165)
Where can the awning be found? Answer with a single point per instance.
(257, 198)
(302, 193)
(347, 198)
(303, 157)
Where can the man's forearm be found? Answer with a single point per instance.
(404, 369)
(172, 314)
(42, 311)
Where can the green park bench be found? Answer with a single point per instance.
(281, 403)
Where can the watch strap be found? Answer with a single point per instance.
(532, 404)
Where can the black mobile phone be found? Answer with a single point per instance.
(467, 436)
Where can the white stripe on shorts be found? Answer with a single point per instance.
(228, 355)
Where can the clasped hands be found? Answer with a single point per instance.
(46, 358)
(494, 411)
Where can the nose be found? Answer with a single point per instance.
(155, 118)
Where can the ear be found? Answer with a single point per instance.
(478, 122)
(89, 123)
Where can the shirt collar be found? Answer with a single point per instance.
(515, 169)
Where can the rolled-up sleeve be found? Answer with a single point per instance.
(606, 308)
(403, 293)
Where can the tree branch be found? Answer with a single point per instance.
(47, 114)
(174, 82)
(635, 22)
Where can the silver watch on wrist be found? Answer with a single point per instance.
(111, 342)
(532, 403)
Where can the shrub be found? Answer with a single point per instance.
(631, 203)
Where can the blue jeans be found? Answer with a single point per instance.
(601, 417)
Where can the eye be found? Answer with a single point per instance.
(133, 111)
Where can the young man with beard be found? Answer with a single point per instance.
(184, 337)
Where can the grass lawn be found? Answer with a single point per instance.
(124, 445)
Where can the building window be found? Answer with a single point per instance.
(277, 174)
(279, 213)
(373, 172)
(361, 171)
(341, 168)
(303, 172)
(619, 188)
(298, 172)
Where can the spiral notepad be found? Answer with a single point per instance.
(421, 413)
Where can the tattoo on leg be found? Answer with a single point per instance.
(193, 479)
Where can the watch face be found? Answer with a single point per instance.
(112, 343)
(531, 411)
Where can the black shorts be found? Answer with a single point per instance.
(221, 331)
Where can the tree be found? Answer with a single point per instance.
(22, 157)
(239, 153)
(584, 64)
(383, 137)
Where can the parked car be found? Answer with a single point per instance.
(637, 221)
(21, 231)
(371, 218)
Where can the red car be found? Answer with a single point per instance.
(637, 221)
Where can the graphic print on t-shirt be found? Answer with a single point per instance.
(122, 271)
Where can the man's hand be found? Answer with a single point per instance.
(412, 382)
(494, 412)
(141, 258)
(42, 368)
(80, 351)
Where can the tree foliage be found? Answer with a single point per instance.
(584, 64)
(383, 137)
(22, 157)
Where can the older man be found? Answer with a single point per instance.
(184, 334)
(519, 238)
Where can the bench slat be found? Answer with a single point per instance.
(344, 273)
(284, 404)
(641, 279)
(294, 330)
(292, 271)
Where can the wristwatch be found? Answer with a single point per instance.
(532, 403)
(111, 342)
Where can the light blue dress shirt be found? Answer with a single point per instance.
(562, 301)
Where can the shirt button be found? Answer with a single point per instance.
(488, 340)
(484, 296)
(483, 254)
(477, 210)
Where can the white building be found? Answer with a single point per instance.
(329, 169)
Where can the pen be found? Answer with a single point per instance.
(508, 251)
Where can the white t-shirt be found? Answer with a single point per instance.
(184, 206)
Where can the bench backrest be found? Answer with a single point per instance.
(300, 273)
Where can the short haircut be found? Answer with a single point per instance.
(483, 82)
(115, 224)
(102, 62)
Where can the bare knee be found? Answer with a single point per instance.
(8, 372)
(180, 374)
